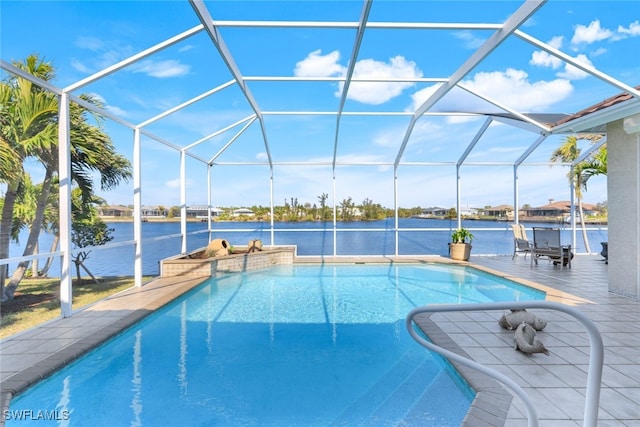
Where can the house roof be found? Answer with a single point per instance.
(562, 205)
(600, 106)
(499, 208)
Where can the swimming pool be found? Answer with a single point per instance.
(288, 346)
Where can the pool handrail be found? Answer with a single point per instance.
(596, 351)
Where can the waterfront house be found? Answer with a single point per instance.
(243, 211)
(501, 212)
(434, 212)
(115, 211)
(149, 212)
(201, 211)
(557, 210)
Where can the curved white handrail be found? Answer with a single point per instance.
(596, 353)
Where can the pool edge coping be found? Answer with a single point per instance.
(491, 403)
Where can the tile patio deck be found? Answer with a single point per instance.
(556, 383)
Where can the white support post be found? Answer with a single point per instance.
(137, 207)
(64, 172)
(516, 196)
(183, 200)
(271, 207)
(209, 200)
(395, 205)
(459, 219)
(335, 218)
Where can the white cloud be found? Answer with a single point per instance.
(544, 59)
(424, 130)
(471, 41)
(110, 108)
(590, 34)
(573, 73)
(632, 31)
(318, 65)
(91, 43)
(161, 69)
(512, 88)
(186, 48)
(374, 93)
(428, 131)
(388, 137)
(173, 183)
(79, 66)
(379, 93)
(117, 111)
(103, 53)
(419, 97)
(452, 102)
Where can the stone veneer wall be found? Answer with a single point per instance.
(178, 266)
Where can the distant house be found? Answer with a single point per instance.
(437, 212)
(115, 211)
(558, 210)
(243, 211)
(467, 211)
(201, 211)
(434, 212)
(153, 212)
(499, 212)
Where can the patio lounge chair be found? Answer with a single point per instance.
(521, 242)
(546, 242)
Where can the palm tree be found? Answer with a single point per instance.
(91, 151)
(26, 126)
(323, 205)
(567, 153)
(596, 164)
(346, 209)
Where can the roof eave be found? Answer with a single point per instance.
(596, 121)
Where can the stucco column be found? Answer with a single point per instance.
(623, 188)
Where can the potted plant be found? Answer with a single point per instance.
(460, 246)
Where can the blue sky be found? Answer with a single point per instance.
(82, 38)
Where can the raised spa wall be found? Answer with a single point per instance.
(181, 265)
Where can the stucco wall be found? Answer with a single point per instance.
(623, 188)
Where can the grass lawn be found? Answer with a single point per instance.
(38, 300)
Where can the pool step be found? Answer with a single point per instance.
(409, 375)
(404, 398)
(441, 402)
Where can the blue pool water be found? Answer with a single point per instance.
(288, 346)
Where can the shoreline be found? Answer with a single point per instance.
(604, 221)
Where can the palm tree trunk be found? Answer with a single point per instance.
(34, 234)
(54, 246)
(35, 263)
(584, 227)
(5, 232)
